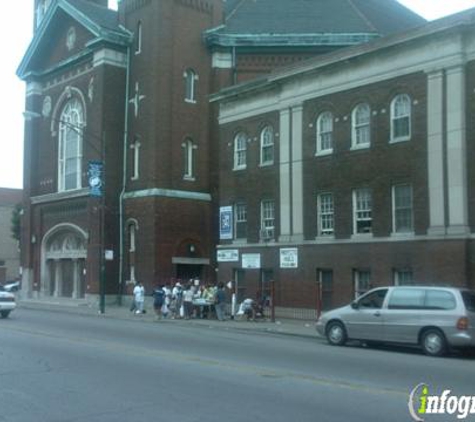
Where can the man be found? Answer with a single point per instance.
(139, 297)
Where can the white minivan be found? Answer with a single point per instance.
(435, 318)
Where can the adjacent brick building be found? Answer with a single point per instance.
(353, 170)
(10, 199)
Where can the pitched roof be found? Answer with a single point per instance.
(340, 19)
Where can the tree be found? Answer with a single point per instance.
(16, 216)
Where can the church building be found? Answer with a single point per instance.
(126, 166)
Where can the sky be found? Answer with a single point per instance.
(16, 28)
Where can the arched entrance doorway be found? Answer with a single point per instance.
(63, 264)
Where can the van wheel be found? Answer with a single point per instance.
(336, 333)
(433, 342)
(4, 314)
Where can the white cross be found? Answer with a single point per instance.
(135, 100)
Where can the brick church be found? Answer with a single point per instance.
(321, 145)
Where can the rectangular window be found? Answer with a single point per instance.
(325, 214)
(362, 281)
(402, 209)
(403, 278)
(362, 211)
(267, 220)
(240, 214)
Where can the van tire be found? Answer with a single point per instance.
(4, 314)
(433, 342)
(336, 333)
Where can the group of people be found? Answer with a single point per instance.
(188, 301)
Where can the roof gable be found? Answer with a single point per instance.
(94, 24)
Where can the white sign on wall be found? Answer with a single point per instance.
(228, 255)
(251, 260)
(289, 258)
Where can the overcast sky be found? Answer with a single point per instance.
(16, 31)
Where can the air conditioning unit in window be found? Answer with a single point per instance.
(266, 234)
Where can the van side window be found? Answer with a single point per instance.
(373, 300)
(406, 299)
(439, 299)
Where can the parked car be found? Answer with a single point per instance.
(7, 302)
(12, 286)
(434, 318)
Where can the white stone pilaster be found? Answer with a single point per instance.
(284, 175)
(456, 152)
(435, 152)
(297, 173)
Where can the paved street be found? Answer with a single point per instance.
(65, 366)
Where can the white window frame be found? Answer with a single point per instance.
(267, 144)
(190, 85)
(240, 217)
(138, 38)
(136, 159)
(71, 123)
(240, 151)
(132, 248)
(400, 110)
(324, 133)
(403, 277)
(402, 208)
(361, 126)
(361, 282)
(188, 158)
(362, 210)
(268, 218)
(326, 214)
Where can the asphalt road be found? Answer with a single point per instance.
(60, 367)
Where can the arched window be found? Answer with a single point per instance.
(190, 85)
(138, 38)
(240, 151)
(267, 146)
(188, 152)
(401, 118)
(325, 133)
(71, 123)
(132, 226)
(361, 130)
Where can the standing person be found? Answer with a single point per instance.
(177, 298)
(158, 301)
(139, 297)
(188, 301)
(167, 301)
(220, 302)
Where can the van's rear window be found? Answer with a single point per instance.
(469, 300)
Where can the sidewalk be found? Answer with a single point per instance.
(288, 327)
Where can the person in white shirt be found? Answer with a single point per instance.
(139, 297)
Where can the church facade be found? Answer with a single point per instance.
(132, 173)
